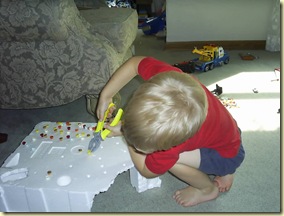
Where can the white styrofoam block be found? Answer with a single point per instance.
(141, 183)
(78, 201)
(51, 170)
(14, 198)
(35, 195)
(2, 201)
(57, 200)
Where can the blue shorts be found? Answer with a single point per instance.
(212, 163)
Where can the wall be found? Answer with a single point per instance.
(216, 20)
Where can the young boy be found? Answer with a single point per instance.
(173, 123)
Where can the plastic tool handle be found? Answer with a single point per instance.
(100, 124)
(113, 123)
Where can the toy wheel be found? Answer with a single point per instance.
(211, 67)
(226, 61)
(207, 67)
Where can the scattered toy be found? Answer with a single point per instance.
(218, 91)
(255, 90)
(229, 102)
(210, 57)
(277, 74)
(247, 56)
(186, 66)
(154, 24)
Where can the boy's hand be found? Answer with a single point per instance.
(115, 130)
(102, 108)
(123, 75)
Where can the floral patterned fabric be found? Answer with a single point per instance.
(118, 33)
(49, 57)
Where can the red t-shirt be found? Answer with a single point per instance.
(219, 130)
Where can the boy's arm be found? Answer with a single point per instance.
(139, 161)
(119, 79)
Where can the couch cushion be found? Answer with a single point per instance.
(33, 20)
(119, 25)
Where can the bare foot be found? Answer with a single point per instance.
(191, 196)
(224, 183)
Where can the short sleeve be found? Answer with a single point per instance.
(161, 161)
(149, 67)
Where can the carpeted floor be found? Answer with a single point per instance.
(257, 182)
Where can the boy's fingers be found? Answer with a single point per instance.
(115, 130)
(111, 110)
(107, 126)
(100, 114)
(101, 111)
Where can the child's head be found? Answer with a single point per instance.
(164, 112)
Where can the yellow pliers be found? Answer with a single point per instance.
(100, 134)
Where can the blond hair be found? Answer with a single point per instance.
(164, 112)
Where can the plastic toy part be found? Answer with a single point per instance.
(186, 66)
(255, 90)
(154, 24)
(247, 56)
(218, 91)
(229, 102)
(277, 74)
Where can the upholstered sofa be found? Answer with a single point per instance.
(52, 53)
